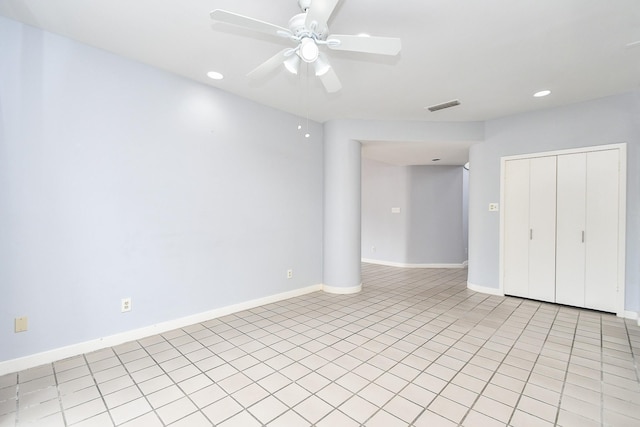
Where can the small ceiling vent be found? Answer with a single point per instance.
(443, 105)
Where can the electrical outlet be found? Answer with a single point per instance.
(494, 207)
(289, 274)
(125, 305)
(21, 324)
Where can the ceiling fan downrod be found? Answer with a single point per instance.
(304, 5)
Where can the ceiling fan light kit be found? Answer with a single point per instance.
(309, 32)
(292, 63)
(321, 65)
(308, 50)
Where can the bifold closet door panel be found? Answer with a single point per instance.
(602, 222)
(542, 224)
(516, 228)
(570, 245)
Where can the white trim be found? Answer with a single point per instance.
(403, 265)
(631, 315)
(559, 152)
(338, 290)
(485, 289)
(15, 365)
(622, 224)
(622, 210)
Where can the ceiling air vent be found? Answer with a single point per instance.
(443, 105)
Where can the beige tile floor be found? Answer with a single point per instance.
(415, 347)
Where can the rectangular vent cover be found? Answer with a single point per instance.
(444, 105)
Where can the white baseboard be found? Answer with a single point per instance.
(632, 315)
(403, 265)
(342, 291)
(485, 289)
(31, 361)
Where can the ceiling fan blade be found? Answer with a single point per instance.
(231, 18)
(318, 15)
(270, 64)
(377, 45)
(330, 81)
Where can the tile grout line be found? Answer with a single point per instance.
(515, 407)
(98, 388)
(566, 374)
(59, 396)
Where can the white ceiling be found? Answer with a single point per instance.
(492, 55)
(405, 153)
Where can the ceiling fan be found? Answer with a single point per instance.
(309, 32)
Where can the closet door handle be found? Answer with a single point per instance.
(582, 236)
(531, 234)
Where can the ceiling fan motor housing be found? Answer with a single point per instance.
(296, 24)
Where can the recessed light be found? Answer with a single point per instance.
(364, 35)
(215, 75)
(542, 93)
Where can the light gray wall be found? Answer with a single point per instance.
(465, 212)
(435, 224)
(120, 180)
(342, 207)
(384, 186)
(428, 229)
(609, 120)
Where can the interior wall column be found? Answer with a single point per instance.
(342, 212)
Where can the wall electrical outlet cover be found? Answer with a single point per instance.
(125, 305)
(21, 324)
(289, 274)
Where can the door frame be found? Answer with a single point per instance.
(622, 211)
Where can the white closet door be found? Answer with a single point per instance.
(516, 228)
(542, 224)
(570, 248)
(602, 222)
